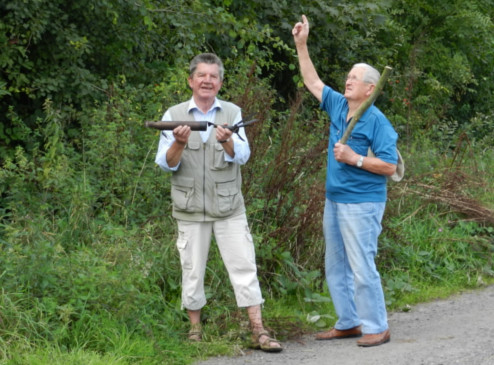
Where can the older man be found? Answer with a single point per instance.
(207, 197)
(355, 198)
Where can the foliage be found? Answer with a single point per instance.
(439, 223)
(439, 64)
(71, 53)
(88, 266)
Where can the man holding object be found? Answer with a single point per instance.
(207, 197)
(355, 198)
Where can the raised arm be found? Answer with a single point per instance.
(311, 79)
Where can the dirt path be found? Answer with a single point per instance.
(457, 330)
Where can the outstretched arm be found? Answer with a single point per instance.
(311, 79)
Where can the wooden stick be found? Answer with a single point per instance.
(169, 126)
(366, 104)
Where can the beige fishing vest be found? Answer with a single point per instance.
(206, 187)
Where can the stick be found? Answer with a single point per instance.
(169, 126)
(366, 104)
(199, 126)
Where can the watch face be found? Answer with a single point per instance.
(360, 161)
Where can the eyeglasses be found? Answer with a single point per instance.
(353, 78)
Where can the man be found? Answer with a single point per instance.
(355, 199)
(207, 197)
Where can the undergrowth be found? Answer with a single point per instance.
(88, 266)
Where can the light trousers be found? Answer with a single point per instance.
(237, 251)
(351, 232)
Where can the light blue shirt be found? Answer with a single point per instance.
(241, 148)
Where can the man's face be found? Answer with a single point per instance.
(205, 81)
(355, 88)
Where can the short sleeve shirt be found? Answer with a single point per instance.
(350, 184)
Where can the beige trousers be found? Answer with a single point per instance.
(237, 251)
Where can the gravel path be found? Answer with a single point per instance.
(457, 330)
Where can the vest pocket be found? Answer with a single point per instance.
(227, 197)
(182, 190)
(218, 157)
(193, 145)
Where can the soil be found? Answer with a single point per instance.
(457, 330)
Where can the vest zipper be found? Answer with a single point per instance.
(204, 181)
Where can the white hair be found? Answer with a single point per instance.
(371, 75)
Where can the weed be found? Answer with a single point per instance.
(88, 265)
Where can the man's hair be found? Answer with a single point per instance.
(210, 59)
(371, 75)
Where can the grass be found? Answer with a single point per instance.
(99, 282)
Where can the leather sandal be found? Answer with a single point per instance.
(195, 333)
(266, 344)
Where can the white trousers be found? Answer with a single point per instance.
(237, 251)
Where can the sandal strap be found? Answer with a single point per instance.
(195, 332)
(197, 327)
(266, 345)
(268, 341)
(258, 335)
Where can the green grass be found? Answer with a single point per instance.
(90, 273)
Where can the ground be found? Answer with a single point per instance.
(457, 330)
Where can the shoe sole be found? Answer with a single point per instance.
(338, 337)
(374, 344)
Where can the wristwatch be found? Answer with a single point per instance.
(360, 162)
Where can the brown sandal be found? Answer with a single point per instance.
(266, 344)
(195, 333)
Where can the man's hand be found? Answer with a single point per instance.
(174, 154)
(343, 153)
(181, 134)
(309, 74)
(301, 31)
(223, 134)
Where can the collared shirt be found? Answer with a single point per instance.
(241, 148)
(350, 184)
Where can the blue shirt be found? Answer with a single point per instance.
(350, 184)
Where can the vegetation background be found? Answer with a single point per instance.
(88, 267)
